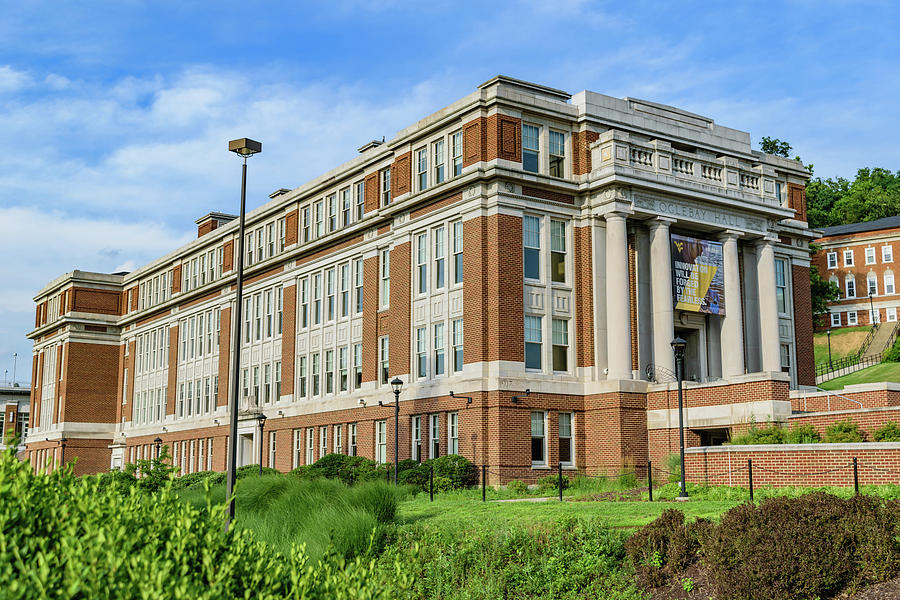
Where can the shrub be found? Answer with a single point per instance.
(665, 548)
(416, 476)
(803, 433)
(443, 484)
(843, 432)
(516, 486)
(893, 354)
(458, 469)
(889, 432)
(774, 434)
(673, 466)
(191, 479)
(551, 482)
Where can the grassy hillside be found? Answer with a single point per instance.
(844, 342)
(882, 372)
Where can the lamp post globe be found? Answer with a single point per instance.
(158, 443)
(678, 348)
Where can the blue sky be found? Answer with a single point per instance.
(116, 114)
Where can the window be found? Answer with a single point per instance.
(558, 251)
(438, 161)
(565, 438)
(360, 190)
(785, 358)
(282, 234)
(304, 303)
(298, 447)
(270, 308)
(267, 384)
(270, 240)
(331, 204)
(329, 371)
(439, 261)
(852, 318)
(457, 252)
(875, 316)
(345, 290)
(780, 287)
(302, 377)
(891, 314)
(538, 439)
(357, 366)
(457, 341)
(256, 383)
(352, 449)
(532, 342)
(416, 429)
(872, 284)
(338, 440)
(456, 145)
(317, 298)
(329, 290)
(557, 154)
(439, 349)
(279, 309)
(342, 369)
(453, 433)
(434, 436)
(850, 286)
(422, 262)
(422, 169)
(310, 446)
(384, 349)
(358, 284)
(315, 374)
(381, 442)
(835, 319)
(560, 345)
(848, 258)
(277, 380)
(271, 449)
(345, 207)
(530, 148)
(385, 288)
(318, 210)
(305, 224)
(887, 254)
(870, 256)
(888, 283)
(385, 187)
(421, 356)
(323, 440)
(531, 244)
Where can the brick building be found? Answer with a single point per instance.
(14, 400)
(515, 248)
(859, 259)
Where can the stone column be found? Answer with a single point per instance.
(768, 305)
(732, 336)
(663, 302)
(618, 306)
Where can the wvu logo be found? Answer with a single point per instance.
(680, 246)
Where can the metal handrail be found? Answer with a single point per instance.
(828, 394)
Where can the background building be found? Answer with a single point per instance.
(515, 247)
(15, 402)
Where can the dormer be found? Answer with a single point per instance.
(211, 221)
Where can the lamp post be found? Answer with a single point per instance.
(261, 421)
(678, 347)
(830, 367)
(158, 443)
(62, 453)
(397, 384)
(871, 311)
(245, 148)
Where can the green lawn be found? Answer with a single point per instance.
(882, 372)
(844, 342)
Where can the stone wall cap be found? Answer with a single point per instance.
(793, 447)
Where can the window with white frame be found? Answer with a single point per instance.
(875, 316)
(338, 439)
(531, 136)
(319, 215)
(538, 438)
(557, 154)
(329, 295)
(331, 207)
(306, 226)
(329, 371)
(531, 244)
(438, 161)
(888, 282)
(890, 313)
(358, 285)
(456, 146)
(416, 435)
(345, 207)
(343, 373)
(357, 366)
(310, 445)
(781, 287)
(852, 318)
(533, 337)
(381, 442)
(439, 257)
(439, 350)
(421, 169)
(314, 376)
(421, 352)
(385, 186)
(785, 358)
(453, 433)
(272, 449)
(385, 287)
(872, 284)
(351, 449)
(301, 377)
(566, 439)
(557, 251)
(870, 256)
(282, 234)
(850, 286)
(317, 298)
(887, 254)
(345, 290)
(323, 440)
(422, 263)
(434, 436)
(560, 344)
(835, 319)
(848, 258)
(270, 240)
(384, 363)
(457, 242)
(457, 333)
(360, 199)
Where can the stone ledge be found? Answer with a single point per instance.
(794, 447)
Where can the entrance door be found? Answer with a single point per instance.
(245, 454)
(692, 364)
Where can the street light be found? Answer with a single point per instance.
(678, 347)
(261, 421)
(397, 384)
(158, 443)
(245, 148)
(871, 311)
(830, 367)
(62, 454)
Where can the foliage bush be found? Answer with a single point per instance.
(889, 432)
(673, 466)
(551, 482)
(665, 548)
(803, 433)
(516, 486)
(843, 432)
(893, 353)
(68, 537)
(458, 469)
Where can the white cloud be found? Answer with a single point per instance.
(12, 80)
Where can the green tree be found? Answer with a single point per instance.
(775, 146)
(873, 194)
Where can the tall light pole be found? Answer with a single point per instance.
(245, 148)
(158, 443)
(261, 421)
(15, 362)
(830, 367)
(397, 384)
(678, 347)
(871, 311)
(62, 453)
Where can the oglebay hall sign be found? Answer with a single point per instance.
(697, 212)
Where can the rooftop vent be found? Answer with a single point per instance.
(279, 192)
(370, 145)
(211, 221)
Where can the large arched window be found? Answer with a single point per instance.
(889, 282)
(850, 286)
(871, 284)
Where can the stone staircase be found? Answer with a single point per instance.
(884, 335)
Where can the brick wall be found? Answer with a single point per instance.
(176, 286)
(803, 326)
(797, 200)
(581, 151)
(712, 395)
(807, 465)
(399, 312)
(615, 425)
(172, 372)
(104, 302)
(401, 175)
(288, 340)
(868, 420)
(291, 228)
(225, 357)
(372, 192)
(370, 319)
(92, 375)
(227, 259)
(584, 297)
(548, 195)
(828, 402)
